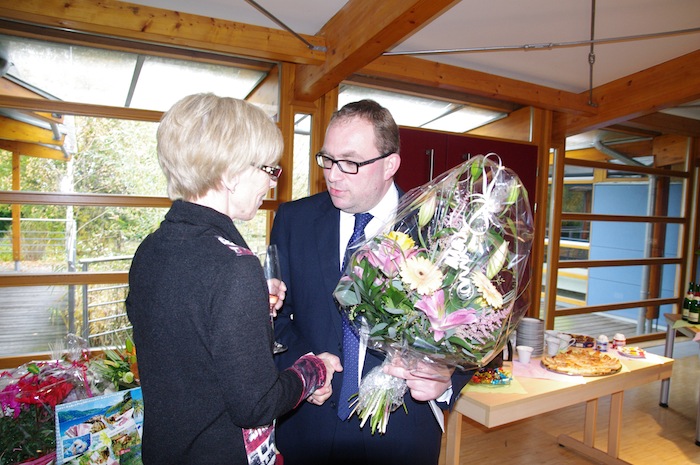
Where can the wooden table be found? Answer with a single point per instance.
(691, 332)
(495, 409)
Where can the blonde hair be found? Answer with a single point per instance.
(204, 139)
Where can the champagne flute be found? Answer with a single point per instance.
(271, 267)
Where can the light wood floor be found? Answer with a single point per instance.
(652, 435)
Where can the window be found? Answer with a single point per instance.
(422, 112)
(73, 203)
(107, 77)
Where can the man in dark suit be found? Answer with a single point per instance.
(360, 156)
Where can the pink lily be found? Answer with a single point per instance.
(388, 257)
(434, 308)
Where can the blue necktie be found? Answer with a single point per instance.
(358, 235)
(351, 342)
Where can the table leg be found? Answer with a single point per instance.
(589, 425)
(615, 424)
(668, 352)
(697, 423)
(454, 438)
(586, 447)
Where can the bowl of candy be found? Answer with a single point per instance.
(491, 377)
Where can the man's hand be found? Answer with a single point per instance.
(322, 394)
(426, 381)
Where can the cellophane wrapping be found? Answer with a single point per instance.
(444, 282)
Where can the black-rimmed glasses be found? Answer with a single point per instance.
(346, 166)
(273, 171)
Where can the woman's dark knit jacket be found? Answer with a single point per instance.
(199, 307)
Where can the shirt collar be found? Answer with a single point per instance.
(383, 212)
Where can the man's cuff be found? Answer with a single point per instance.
(446, 396)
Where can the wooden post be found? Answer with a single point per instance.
(16, 213)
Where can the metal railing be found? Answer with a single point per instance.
(39, 238)
(106, 301)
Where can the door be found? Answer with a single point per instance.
(423, 156)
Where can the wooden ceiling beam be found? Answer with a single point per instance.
(423, 91)
(33, 150)
(11, 129)
(9, 88)
(665, 123)
(442, 76)
(354, 40)
(81, 109)
(662, 86)
(355, 45)
(154, 25)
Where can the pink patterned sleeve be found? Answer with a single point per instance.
(312, 372)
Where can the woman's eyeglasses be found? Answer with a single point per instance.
(273, 171)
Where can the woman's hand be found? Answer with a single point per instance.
(277, 292)
(322, 394)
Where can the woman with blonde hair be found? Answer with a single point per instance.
(198, 300)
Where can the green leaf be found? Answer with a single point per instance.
(458, 341)
(514, 193)
(378, 328)
(497, 259)
(346, 297)
(476, 170)
(394, 311)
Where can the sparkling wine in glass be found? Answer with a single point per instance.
(271, 267)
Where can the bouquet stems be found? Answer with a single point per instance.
(380, 394)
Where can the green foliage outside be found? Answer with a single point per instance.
(112, 157)
(115, 157)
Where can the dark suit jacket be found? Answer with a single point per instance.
(307, 234)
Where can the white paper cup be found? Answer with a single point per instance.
(524, 353)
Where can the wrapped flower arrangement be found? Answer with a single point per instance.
(30, 393)
(119, 367)
(444, 282)
(28, 397)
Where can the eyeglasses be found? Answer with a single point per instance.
(346, 166)
(273, 171)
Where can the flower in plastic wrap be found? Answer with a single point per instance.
(29, 394)
(119, 367)
(444, 281)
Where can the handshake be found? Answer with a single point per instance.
(424, 381)
(332, 363)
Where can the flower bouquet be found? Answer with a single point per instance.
(443, 282)
(119, 367)
(30, 393)
(28, 397)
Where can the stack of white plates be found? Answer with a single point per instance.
(530, 332)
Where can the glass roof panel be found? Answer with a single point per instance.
(407, 110)
(163, 81)
(421, 112)
(464, 119)
(104, 77)
(71, 73)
